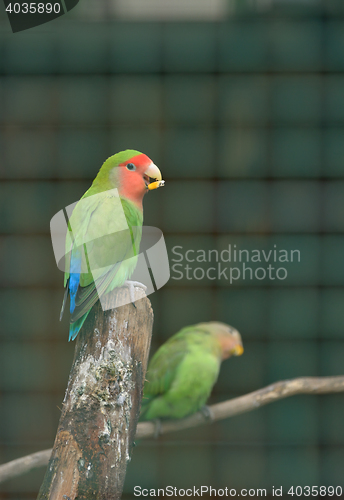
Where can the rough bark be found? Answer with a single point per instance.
(102, 403)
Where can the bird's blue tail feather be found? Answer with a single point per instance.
(74, 277)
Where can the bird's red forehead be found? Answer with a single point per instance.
(141, 160)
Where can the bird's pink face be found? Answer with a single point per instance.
(231, 345)
(137, 176)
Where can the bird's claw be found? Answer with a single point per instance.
(207, 413)
(131, 288)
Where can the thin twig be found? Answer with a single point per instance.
(219, 411)
(24, 464)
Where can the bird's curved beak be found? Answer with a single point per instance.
(238, 350)
(153, 178)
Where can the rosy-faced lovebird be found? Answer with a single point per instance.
(104, 232)
(183, 371)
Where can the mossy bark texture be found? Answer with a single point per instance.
(102, 404)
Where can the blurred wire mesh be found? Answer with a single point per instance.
(244, 115)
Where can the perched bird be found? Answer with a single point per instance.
(183, 371)
(104, 233)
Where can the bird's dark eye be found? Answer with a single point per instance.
(131, 166)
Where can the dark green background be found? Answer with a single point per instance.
(245, 119)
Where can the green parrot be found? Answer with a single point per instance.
(104, 233)
(183, 371)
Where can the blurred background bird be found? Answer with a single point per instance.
(183, 371)
(105, 230)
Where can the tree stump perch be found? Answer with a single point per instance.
(102, 403)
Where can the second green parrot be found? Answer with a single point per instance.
(183, 371)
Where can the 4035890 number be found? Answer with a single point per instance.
(314, 491)
(33, 8)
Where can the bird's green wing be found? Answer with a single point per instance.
(108, 231)
(78, 226)
(163, 367)
(165, 362)
(181, 375)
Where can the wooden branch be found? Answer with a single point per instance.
(24, 464)
(242, 404)
(102, 403)
(220, 411)
(249, 402)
